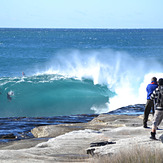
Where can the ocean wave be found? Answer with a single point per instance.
(75, 82)
(47, 95)
(125, 74)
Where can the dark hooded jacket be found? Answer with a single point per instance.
(157, 96)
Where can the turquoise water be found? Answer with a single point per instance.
(49, 95)
(76, 71)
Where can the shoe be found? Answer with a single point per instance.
(145, 126)
(153, 136)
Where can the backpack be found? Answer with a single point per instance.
(159, 99)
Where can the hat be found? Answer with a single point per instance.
(160, 81)
(154, 79)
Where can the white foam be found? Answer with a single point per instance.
(125, 75)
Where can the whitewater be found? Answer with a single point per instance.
(70, 72)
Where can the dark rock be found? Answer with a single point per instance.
(101, 143)
(136, 109)
(91, 151)
(8, 136)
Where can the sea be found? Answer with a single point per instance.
(52, 76)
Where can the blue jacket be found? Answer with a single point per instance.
(150, 88)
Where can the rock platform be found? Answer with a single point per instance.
(80, 142)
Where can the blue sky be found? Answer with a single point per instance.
(81, 13)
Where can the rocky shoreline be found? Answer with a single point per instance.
(80, 142)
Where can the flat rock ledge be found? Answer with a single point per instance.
(80, 142)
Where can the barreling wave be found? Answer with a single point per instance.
(50, 95)
(79, 82)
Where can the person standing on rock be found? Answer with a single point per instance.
(149, 104)
(157, 97)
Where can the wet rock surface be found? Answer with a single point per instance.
(18, 128)
(78, 142)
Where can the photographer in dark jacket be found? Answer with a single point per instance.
(157, 97)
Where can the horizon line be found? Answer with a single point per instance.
(71, 28)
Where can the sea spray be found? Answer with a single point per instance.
(122, 73)
(78, 82)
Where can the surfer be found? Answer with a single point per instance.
(9, 94)
(149, 104)
(23, 73)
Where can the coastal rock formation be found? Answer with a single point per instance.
(104, 135)
(102, 121)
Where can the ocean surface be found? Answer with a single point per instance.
(64, 72)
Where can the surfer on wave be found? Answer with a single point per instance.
(9, 94)
(23, 74)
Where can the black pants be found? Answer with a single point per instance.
(149, 105)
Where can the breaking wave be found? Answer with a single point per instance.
(78, 82)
